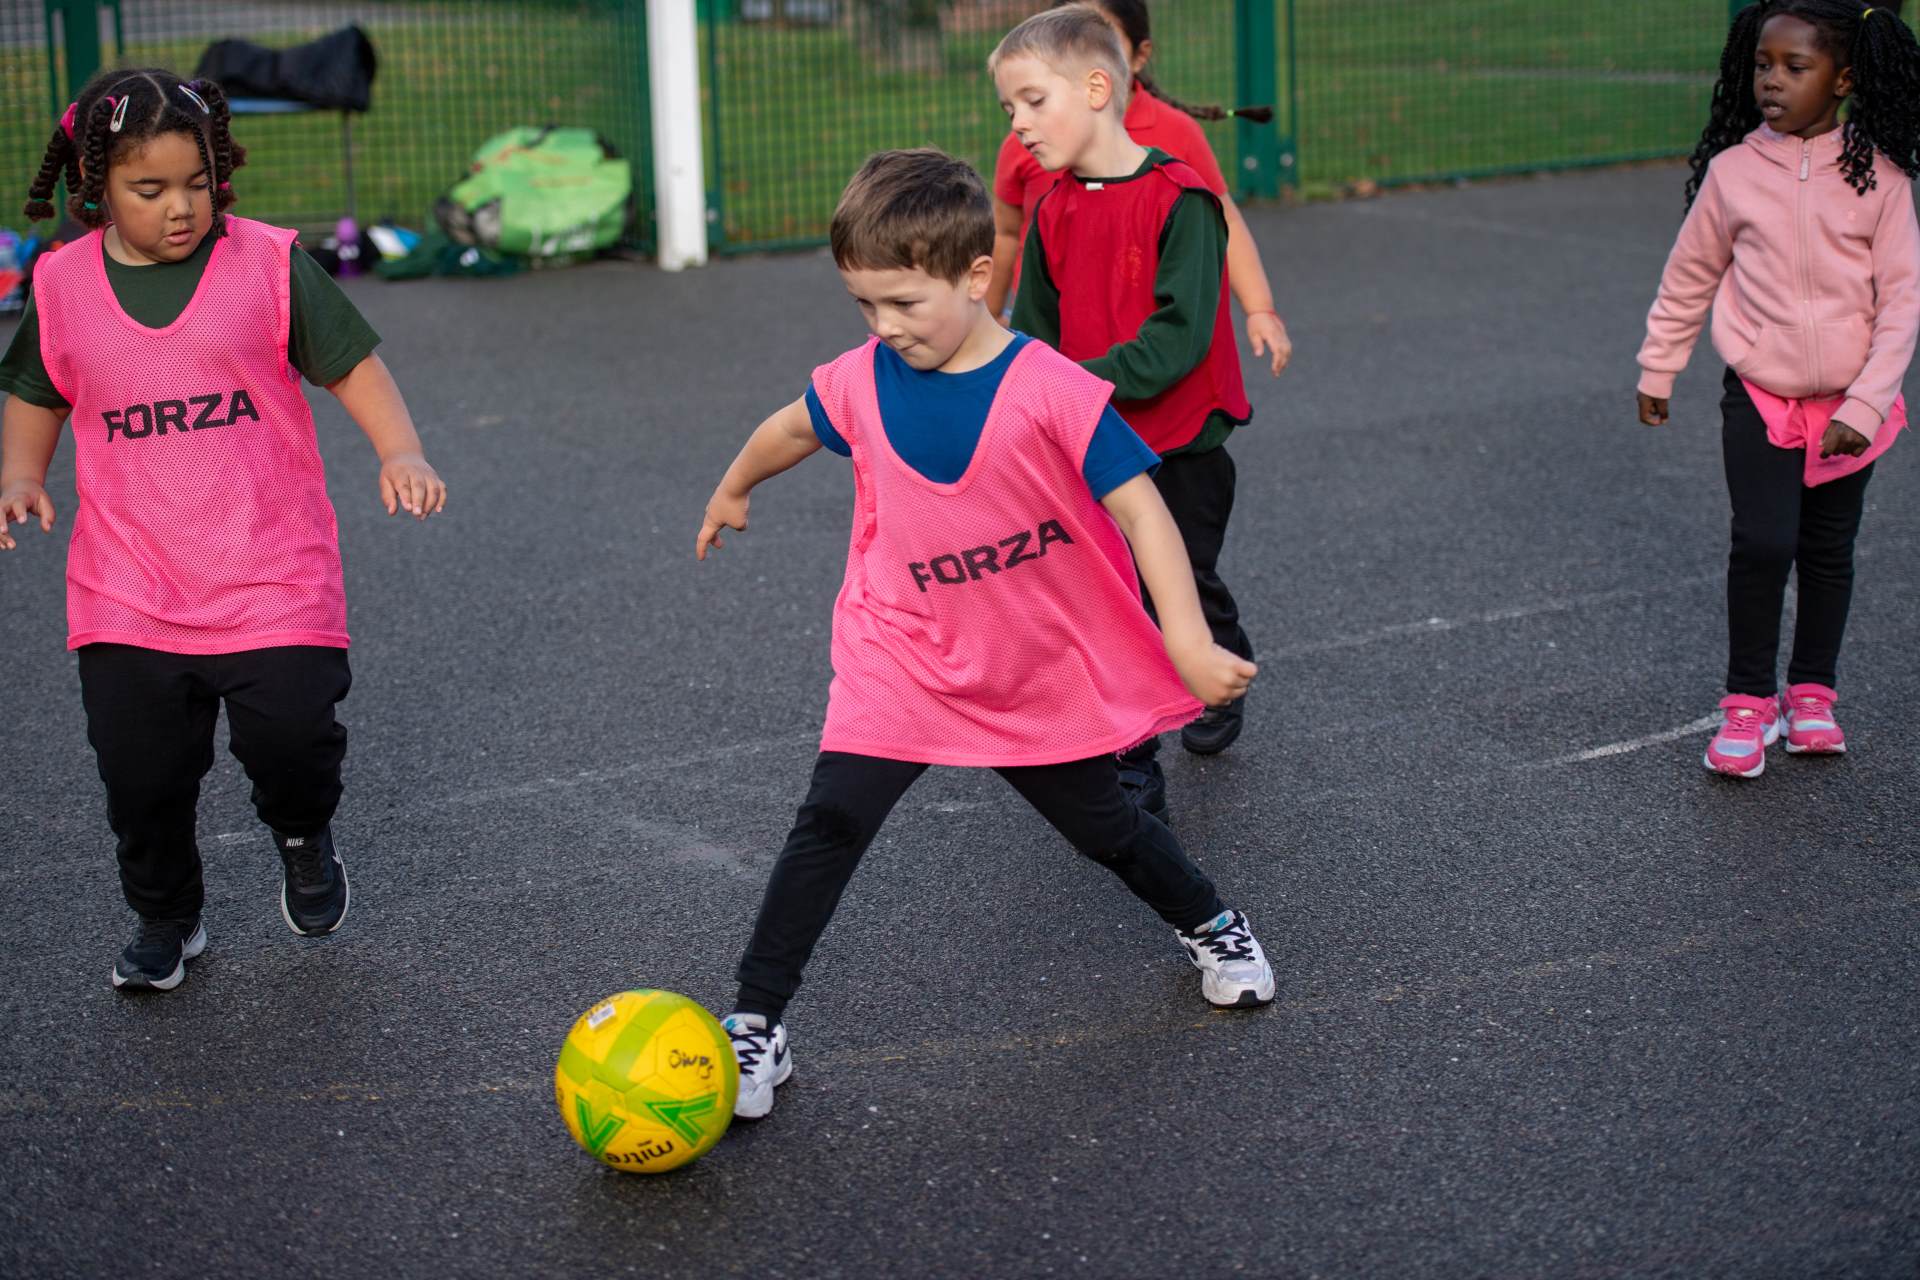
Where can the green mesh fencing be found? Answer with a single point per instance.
(799, 92)
(452, 73)
(1397, 91)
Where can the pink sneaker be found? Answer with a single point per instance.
(1811, 728)
(1751, 725)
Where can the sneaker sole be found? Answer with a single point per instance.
(759, 1106)
(1817, 749)
(1246, 998)
(189, 950)
(1731, 770)
(1210, 749)
(346, 902)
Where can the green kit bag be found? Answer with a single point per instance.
(541, 193)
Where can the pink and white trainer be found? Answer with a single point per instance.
(1811, 728)
(1750, 725)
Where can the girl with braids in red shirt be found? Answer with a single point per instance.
(205, 560)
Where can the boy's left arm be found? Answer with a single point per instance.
(1896, 326)
(373, 401)
(1173, 340)
(1213, 674)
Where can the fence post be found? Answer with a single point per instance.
(1257, 61)
(80, 33)
(679, 163)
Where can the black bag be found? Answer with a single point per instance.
(335, 71)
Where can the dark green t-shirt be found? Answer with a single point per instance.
(326, 338)
(1173, 340)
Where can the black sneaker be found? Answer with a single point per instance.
(1216, 728)
(156, 959)
(1141, 779)
(313, 893)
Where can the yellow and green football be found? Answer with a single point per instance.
(646, 1081)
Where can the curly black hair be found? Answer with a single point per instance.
(1883, 113)
(148, 102)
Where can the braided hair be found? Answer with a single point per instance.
(1883, 113)
(144, 104)
(1131, 16)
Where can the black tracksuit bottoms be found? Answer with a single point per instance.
(1780, 524)
(150, 718)
(850, 798)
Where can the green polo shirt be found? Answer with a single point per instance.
(326, 338)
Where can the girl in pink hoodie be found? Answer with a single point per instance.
(1800, 236)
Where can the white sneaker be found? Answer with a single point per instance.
(764, 1061)
(1234, 973)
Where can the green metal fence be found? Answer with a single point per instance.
(1368, 91)
(451, 74)
(799, 92)
(1393, 91)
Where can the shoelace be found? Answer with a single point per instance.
(1814, 707)
(749, 1044)
(1742, 720)
(162, 933)
(1231, 942)
(308, 865)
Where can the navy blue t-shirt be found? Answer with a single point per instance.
(933, 421)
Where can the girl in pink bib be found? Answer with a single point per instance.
(991, 613)
(205, 562)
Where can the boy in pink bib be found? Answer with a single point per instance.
(991, 613)
(205, 563)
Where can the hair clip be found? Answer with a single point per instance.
(91, 204)
(120, 112)
(66, 121)
(198, 101)
(226, 186)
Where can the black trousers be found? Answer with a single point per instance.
(1198, 490)
(849, 800)
(150, 718)
(1780, 524)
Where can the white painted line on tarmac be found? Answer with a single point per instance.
(1632, 744)
(1513, 613)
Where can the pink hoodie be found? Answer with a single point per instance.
(1815, 289)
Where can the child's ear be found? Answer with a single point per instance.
(979, 276)
(1099, 88)
(1843, 83)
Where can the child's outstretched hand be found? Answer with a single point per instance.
(1653, 409)
(21, 501)
(407, 481)
(1269, 338)
(1843, 439)
(724, 511)
(1214, 675)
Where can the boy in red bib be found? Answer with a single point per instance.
(1125, 272)
(991, 614)
(205, 561)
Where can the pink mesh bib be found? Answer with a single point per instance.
(995, 620)
(203, 524)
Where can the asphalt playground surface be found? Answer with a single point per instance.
(1553, 1000)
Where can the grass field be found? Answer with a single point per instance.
(1387, 90)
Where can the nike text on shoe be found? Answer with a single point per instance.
(1811, 728)
(1216, 729)
(1234, 973)
(764, 1061)
(313, 890)
(156, 959)
(1748, 727)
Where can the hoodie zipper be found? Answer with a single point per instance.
(1806, 271)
